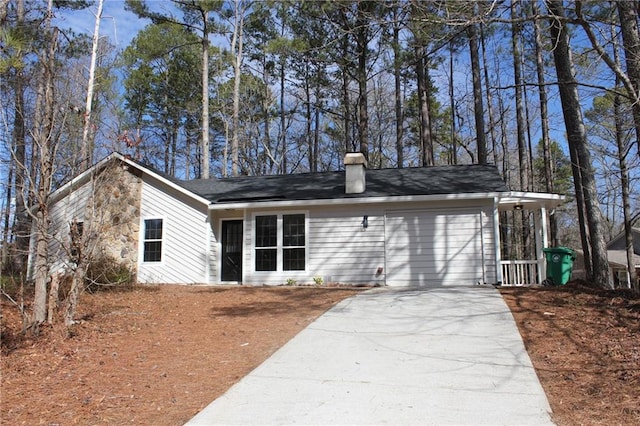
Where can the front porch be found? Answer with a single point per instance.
(531, 270)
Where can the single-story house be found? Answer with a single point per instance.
(617, 255)
(429, 226)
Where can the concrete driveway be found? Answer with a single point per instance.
(395, 356)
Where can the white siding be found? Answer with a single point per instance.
(339, 249)
(253, 277)
(213, 256)
(343, 251)
(185, 240)
(61, 215)
(426, 244)
(434, 247)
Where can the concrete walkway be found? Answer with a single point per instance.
(395, 356)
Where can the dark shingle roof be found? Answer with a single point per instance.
(438, 180)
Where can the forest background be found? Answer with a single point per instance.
(548, 91)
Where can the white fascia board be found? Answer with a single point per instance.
(490, 196)
(167, 182)
(81, 179)
(538, 199)
(85, 176)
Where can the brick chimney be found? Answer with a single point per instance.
(355, 166)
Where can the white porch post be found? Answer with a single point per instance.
(542, 241)
(210, 248)
(496, 238)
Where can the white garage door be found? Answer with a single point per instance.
(434, 247)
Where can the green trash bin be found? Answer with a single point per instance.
(559, 265)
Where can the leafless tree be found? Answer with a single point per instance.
(593, 236)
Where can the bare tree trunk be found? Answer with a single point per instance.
(22, 228)
(41, 271)
(313, 163)
(505, 217)
(628, 15)
(585, 238)
(348, 142)
(398, 88)
(422, 82)
(426, 141)
(544, 121)
(452, 106)
(577, 139)
(283, 119)
(225, 152)
(362, 40)
(520, 120)
(626, 203)
(205, 98)
(42, 137)
(86, 149)
(77, 281)
(236, 47)
(267, 119)
(174, 148)
(3, 10)
(472, 32)
(4, 263)
(624, 177)
(316, 130)
(54, 301)
(492, 125)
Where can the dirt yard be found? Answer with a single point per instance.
(158, 355)
(585, 346)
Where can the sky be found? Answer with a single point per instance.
(119, 25)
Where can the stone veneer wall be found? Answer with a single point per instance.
(113, 213)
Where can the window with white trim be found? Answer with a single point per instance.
(280, 242)
(152, 240)
(266, 243)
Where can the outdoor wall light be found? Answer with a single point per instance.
(517, 207)
(365, 222)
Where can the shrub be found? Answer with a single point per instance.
(106, 273)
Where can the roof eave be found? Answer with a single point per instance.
(354, 200)
(82, 178)
(168, 182)
(85, 176)
(528, 200)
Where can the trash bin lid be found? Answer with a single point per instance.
(559, 250)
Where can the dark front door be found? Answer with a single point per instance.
(232, 250)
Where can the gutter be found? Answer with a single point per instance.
(352, 201)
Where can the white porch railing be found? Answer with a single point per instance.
(520, 272)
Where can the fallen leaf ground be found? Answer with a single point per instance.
(151, 356)
(585, 346)
(158, 355)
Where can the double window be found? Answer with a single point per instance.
(152, 240)
(280, 242)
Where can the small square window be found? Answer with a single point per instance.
(293, 259)
(266, 259)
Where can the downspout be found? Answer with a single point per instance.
(246, 250)
(542, 242)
